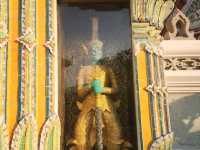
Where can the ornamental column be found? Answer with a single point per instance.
(152, 111)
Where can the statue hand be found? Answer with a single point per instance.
(96, 86)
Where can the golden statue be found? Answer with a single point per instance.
(97, 123)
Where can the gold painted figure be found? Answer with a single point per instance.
(97, 123)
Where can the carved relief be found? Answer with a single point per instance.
(177, 26)
(25, 134)
(182, 63)
(151, 11)
(50, 136)
(4, 139)
(27, 42)
(147, 23)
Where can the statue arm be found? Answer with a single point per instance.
(82, 87)
(114, 88)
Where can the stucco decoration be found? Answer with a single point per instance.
(50, 136)
(150, 89)
(4, 140)
(146, 41)
(27, 40)
(152, 11)
(51, 45)
(51, 131)
(164, 141)
(25, 134)
(182, 63)
(3, 58)
(177, 26)
(3, 35)
(51, 58)
(27, 56)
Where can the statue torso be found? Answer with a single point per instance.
(89, 74)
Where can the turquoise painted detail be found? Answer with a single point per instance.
(96, 86)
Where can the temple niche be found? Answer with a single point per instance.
(96, 45)
(90, 74)
(113, 91)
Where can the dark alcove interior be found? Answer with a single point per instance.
(114, 30)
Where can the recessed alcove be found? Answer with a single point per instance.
(75, 30)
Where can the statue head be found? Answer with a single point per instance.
(96, 50)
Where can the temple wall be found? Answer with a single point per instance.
(182, 76)
(28, 81)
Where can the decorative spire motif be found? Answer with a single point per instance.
(95, 28)
(95, 45)
(177, 25)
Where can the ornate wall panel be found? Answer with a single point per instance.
(182, 65)
(154, 130)
(183, 82)
(13, 67)
(152, 11)
(50, 136)
(41, 63)
(4, 139)
(28, 79)
(51, 129)
(152, 95)
(27, 69)
(51, 56)
(3, 71)
(3, 57)
(25, 134)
